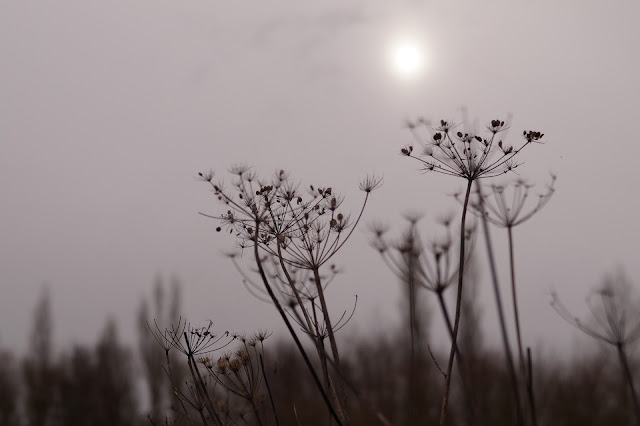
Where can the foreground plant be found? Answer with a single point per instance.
(302, 231)
(471, 157)
(615, 320)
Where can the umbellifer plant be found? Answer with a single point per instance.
(470, 156)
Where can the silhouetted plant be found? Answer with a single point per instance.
(242, 373)
(430, 266)
(471, 157)
(303, 231)
(505, 207)
(615, 320)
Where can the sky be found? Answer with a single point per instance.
(108, 110)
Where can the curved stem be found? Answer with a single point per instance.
(316, 379)
(465, 379)
(454, 336)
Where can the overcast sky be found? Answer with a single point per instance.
(109, 109)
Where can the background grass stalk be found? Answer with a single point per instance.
(503, 326)
(626, 371)
(516, 316)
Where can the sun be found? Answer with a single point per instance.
(407, 58)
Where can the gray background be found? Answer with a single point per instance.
(109, 109)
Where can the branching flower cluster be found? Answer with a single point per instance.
(308, 226)
(505, 205)
(466, 155)
(432, 265)
(615, 315)
(615, 320)
(293, 234)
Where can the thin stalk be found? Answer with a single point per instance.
(175, 389)
(193, 367)
(276, 303)
(503, 326)
(626, 371)
(469, 398)
(361, 398)
(515, 301)
(454, 337)
(256, 413)
(532, 400)
(266, 382)
(412, 391)
(315, 337)
(198, 394)
(447, 320)
(332, 341)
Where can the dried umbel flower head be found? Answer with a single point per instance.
(464, 154)
(615, 313)
(432, 265)
(505, 205)
(284, 285)
(193, 341)
(305, 228)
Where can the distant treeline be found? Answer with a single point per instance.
(109, 383)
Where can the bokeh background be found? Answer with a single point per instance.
(108, 110)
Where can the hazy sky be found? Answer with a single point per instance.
(109, 109)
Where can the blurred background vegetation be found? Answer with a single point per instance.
(111, 383)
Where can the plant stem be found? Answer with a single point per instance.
(503, 326)
(276, 303)
(454, 337)
(334, 346)
(266, 382)
(203, 387)
(317, 341)
(532, 400)
(515, 301)
(469, 398)
(626, 371)
(413, 331)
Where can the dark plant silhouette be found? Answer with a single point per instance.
(472, 157)
(242, 373)
(432, 266)
(505, 207)
(302, 231)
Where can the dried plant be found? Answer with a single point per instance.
(472, 157)
(504, 207)
(241, 373)
(615, 320)
(303, 231)
(432, 266)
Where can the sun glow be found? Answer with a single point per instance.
(407, 58)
